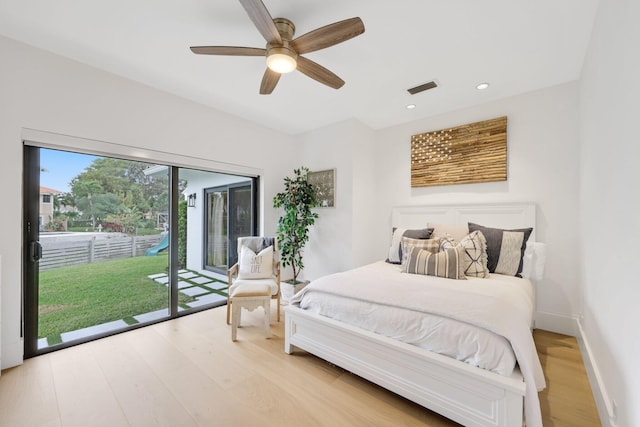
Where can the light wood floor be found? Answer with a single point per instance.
(187, 372)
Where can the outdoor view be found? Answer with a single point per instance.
(104, 237)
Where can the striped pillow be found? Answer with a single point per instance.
(505, 248)
(448, 263)
(408, 244)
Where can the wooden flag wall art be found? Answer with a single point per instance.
(472, 153)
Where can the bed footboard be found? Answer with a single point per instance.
(466, 394)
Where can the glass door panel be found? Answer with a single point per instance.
(216, 235)
(240, 217)
(102, 236)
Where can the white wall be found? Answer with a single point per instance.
(609, 206)
(364, 193)
(49, 93)
(330, 247)
(542, 142)
(340, 238)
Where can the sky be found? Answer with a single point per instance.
(60, 167)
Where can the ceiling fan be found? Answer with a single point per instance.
(283, 52)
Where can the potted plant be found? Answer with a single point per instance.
(297, 200)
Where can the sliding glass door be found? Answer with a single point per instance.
(113, 244)
(230, 214)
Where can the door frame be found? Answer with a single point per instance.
(30, 235)
(36, 139)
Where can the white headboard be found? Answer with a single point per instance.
(498, 215)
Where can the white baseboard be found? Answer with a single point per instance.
(556, 323)
(603, 402)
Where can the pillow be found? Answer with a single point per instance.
(533, 261)
(408, 244)
(448, 263)
(395, 251)
(505, 248)
(449, 230)
(255, 266)
(474, 246)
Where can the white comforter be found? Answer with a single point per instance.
(496, 304)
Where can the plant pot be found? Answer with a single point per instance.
(288, 290)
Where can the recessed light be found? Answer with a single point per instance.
(482, 86)
(411, 106)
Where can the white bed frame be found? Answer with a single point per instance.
(466, 394)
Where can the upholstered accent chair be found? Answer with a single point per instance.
(258, 264)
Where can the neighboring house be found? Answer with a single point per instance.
(47, 196)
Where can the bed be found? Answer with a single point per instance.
(490, 395)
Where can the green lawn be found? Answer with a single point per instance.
(77, 297)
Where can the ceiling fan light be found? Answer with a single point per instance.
(281, 60)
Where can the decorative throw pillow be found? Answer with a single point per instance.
(395, 251)
(448, 263)
(408, 244)
(448, 230)
(474, 246)
(505, 248)
(255, 266)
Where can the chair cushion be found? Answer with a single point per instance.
(272, 282)
(251, 290)
(253, 265)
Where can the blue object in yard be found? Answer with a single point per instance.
(163, 245)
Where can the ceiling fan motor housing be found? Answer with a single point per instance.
(285, 28)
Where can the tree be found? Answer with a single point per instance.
(182, 233)
(293, 227)
(118, 191)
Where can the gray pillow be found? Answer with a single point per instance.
(505, 248)
(395, 251)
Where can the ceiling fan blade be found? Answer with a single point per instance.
(319, 73)
(262, 19)
(228, 50)
(269, 82)
(328, 35)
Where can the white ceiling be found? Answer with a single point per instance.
(516, 45)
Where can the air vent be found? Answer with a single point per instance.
(422, 88)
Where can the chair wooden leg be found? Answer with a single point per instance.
(237, 312)
(267, 318)
(278, 303)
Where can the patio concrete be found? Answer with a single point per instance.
(93, 330)
(207, 299)
(154, 315)
(195, 291)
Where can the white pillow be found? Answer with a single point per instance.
(533, 261)
(255, 266)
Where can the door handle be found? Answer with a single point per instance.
(36, 251)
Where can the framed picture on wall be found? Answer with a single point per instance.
(325, 183)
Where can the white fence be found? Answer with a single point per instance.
(56, 254)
